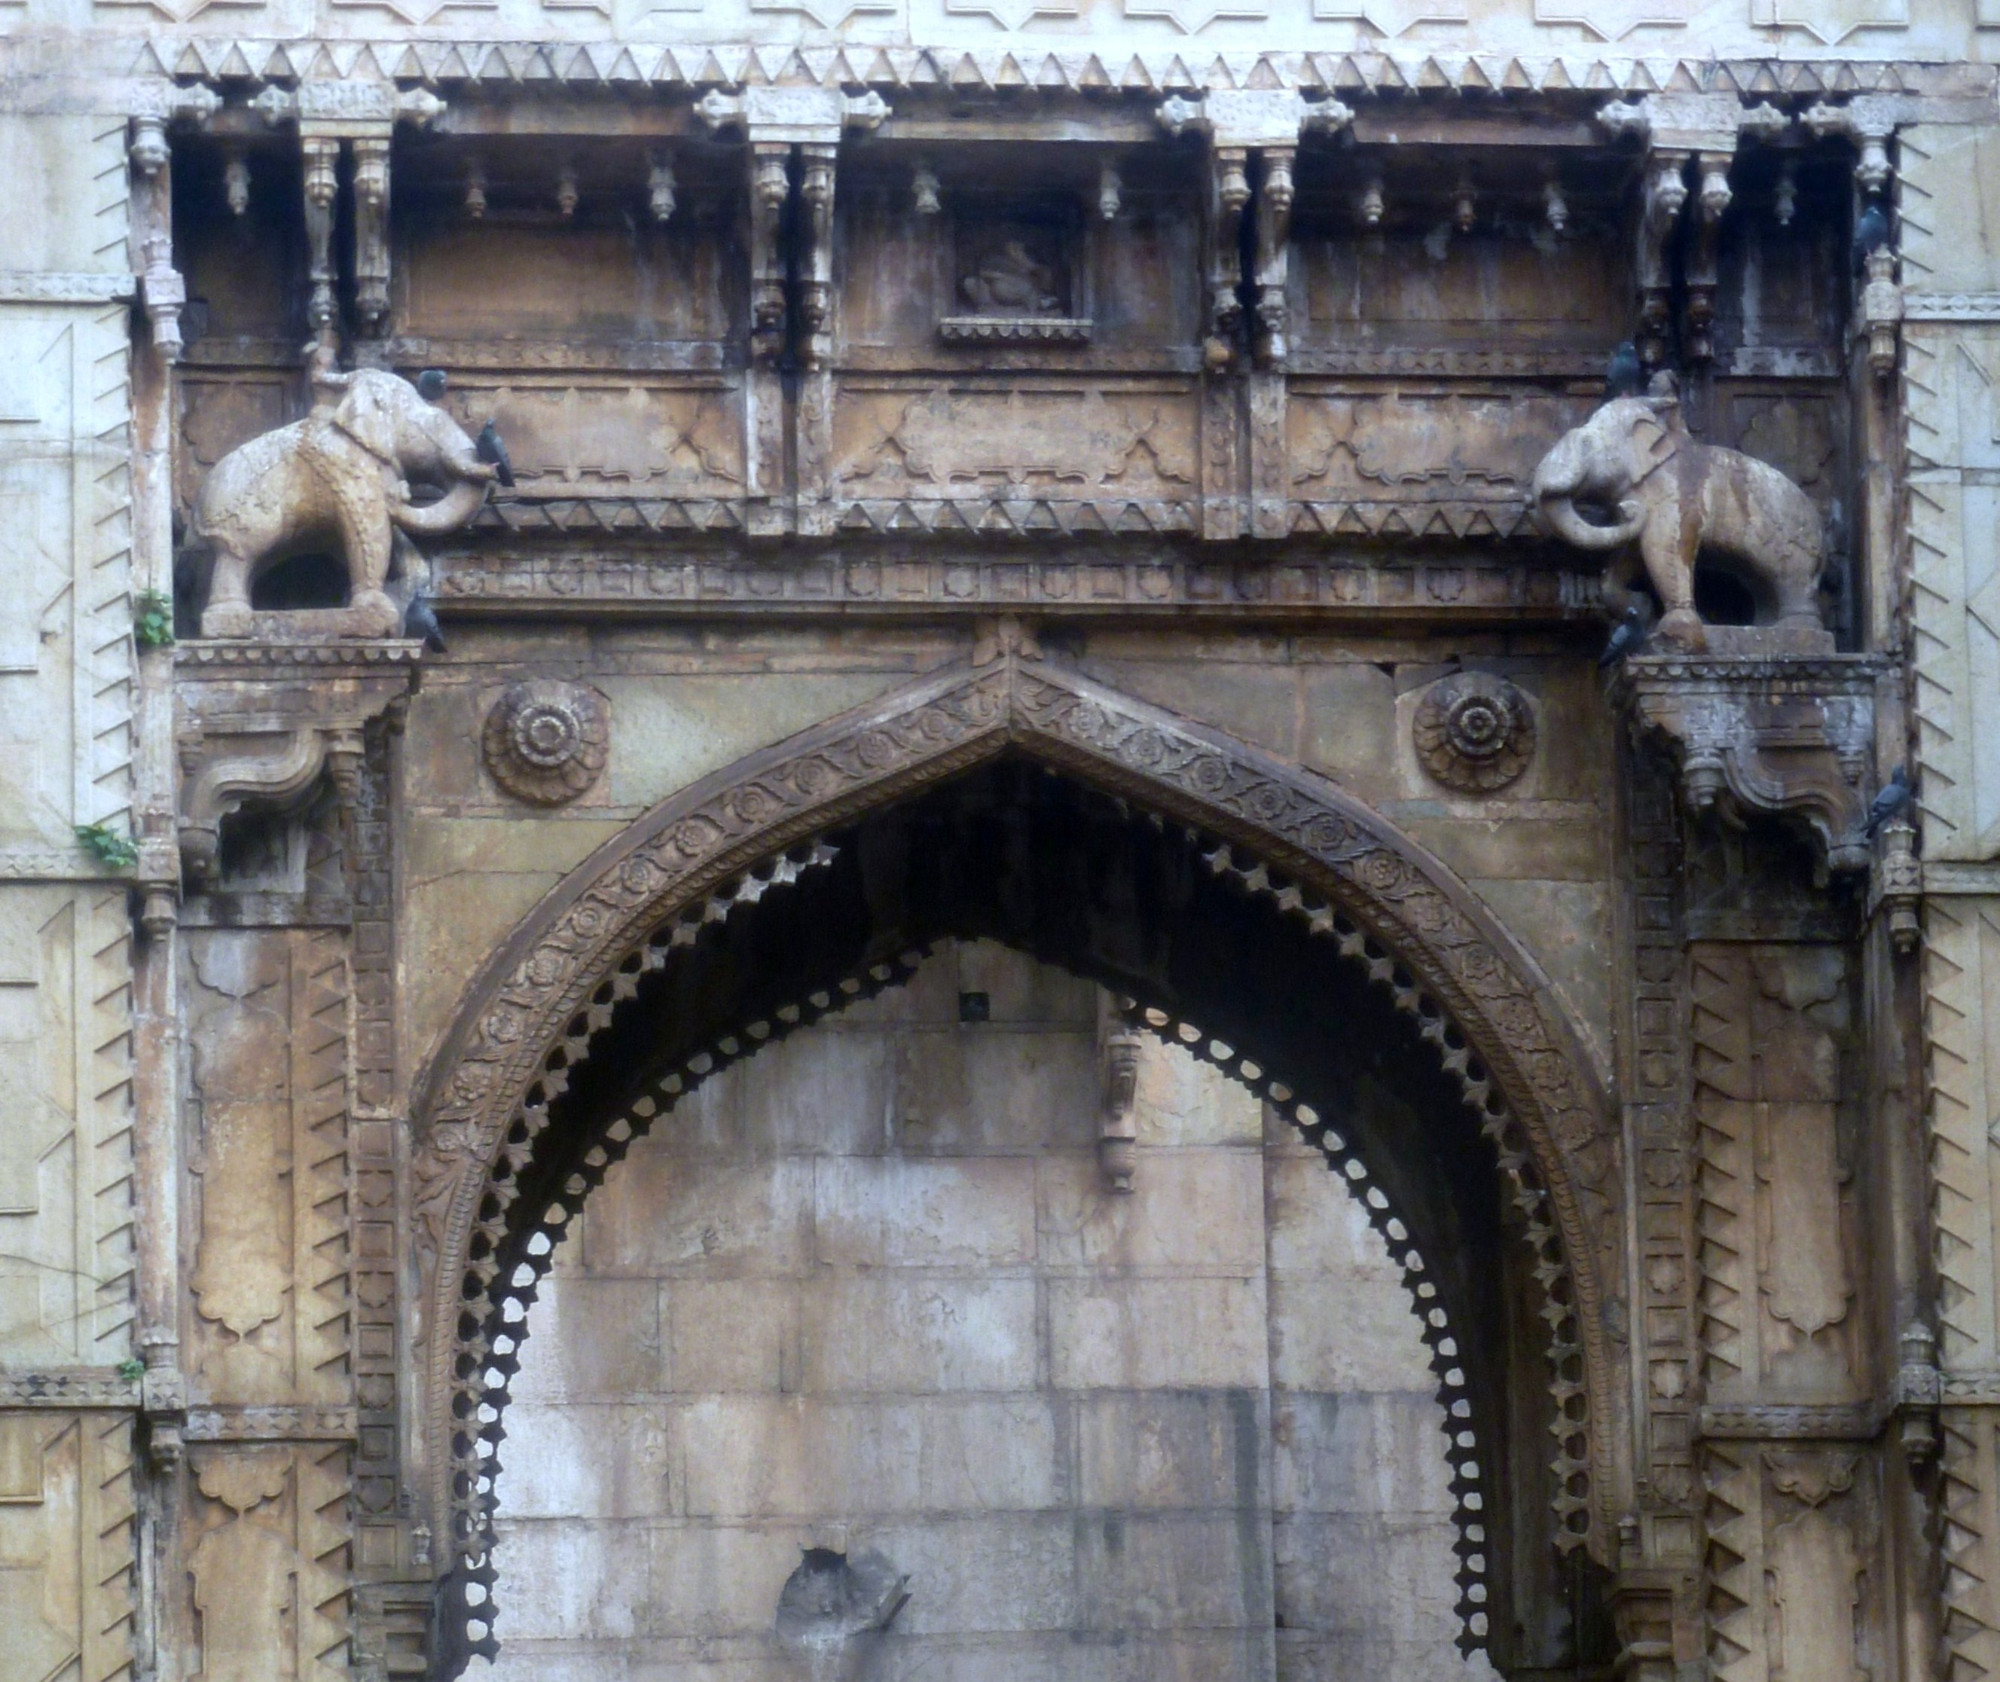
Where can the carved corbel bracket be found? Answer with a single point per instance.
(1869, 120)
(1679, 128)
(257, 724)
(159, 104)
(364, 114)
(1774, 737)
(1240, 124)
(775, 121)
(163, 1402)
(1898, 886)
(1118, 1120)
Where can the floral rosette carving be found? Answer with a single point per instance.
(1475, 732)
(546, 741)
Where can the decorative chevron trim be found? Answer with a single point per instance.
(956, 69)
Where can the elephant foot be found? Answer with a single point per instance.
(226, 620)
(1683, 628)
(373, 614)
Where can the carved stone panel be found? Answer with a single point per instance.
(611, 436)
(65, 1125)
(1779, 1300)
(267, 1557)
(65, 661)
(66, 1545)
(1793, 1570)
(1954, 525)
(269, 1011)
(1391, 461)
(974, 444)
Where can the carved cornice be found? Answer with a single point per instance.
(1166, 70)
(257, 724)
(1777, 736)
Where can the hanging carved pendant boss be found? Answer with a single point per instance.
(546, 741)
(1475, 732)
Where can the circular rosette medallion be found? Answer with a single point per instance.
(1475, 732)
(545, 741)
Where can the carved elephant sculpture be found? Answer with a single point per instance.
(344, 472)
(1674, 496)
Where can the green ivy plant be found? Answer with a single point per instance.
(107, 846)
(152, 619)
(131, 1369)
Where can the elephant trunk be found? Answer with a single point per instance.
(1558, 508)
(447, 514)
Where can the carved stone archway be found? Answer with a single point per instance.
(530, 1016)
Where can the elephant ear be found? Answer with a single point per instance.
(368, 417)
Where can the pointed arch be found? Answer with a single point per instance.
(1286, 834)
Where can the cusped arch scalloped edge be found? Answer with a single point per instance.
(535, 1006)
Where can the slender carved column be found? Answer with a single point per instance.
(371, 232)
(1680, 128)
(776, 121)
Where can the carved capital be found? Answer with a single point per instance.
(256, 725)
(1870, 121)
(1786, 737)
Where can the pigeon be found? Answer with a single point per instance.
(431, 384)
(1626, 374)
(489, 448)
(1871, 233)
(420, 621)
(1627, 637)
(1893, 796)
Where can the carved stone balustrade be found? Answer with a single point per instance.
(256, 724)
(1789, 738)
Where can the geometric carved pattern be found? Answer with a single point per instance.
(541, 999)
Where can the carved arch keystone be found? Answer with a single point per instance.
(532, 1011)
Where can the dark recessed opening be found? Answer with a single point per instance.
(974, 1007)
(310, 579)
(1723, 597)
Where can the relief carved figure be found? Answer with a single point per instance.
(1674, 497)
(342, 473)
(1011, 282)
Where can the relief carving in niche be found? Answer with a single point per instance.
(1767, 1028)
(1814, 1568)
(1016, 283)
(267, 1572)
(546, 740)
(269, 1079)
(1475, 732)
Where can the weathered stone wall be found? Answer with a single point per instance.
(870, 1291)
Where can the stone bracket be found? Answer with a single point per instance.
(1775, 737)
(257, 724)
(1269, 123)
(1679, 128)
